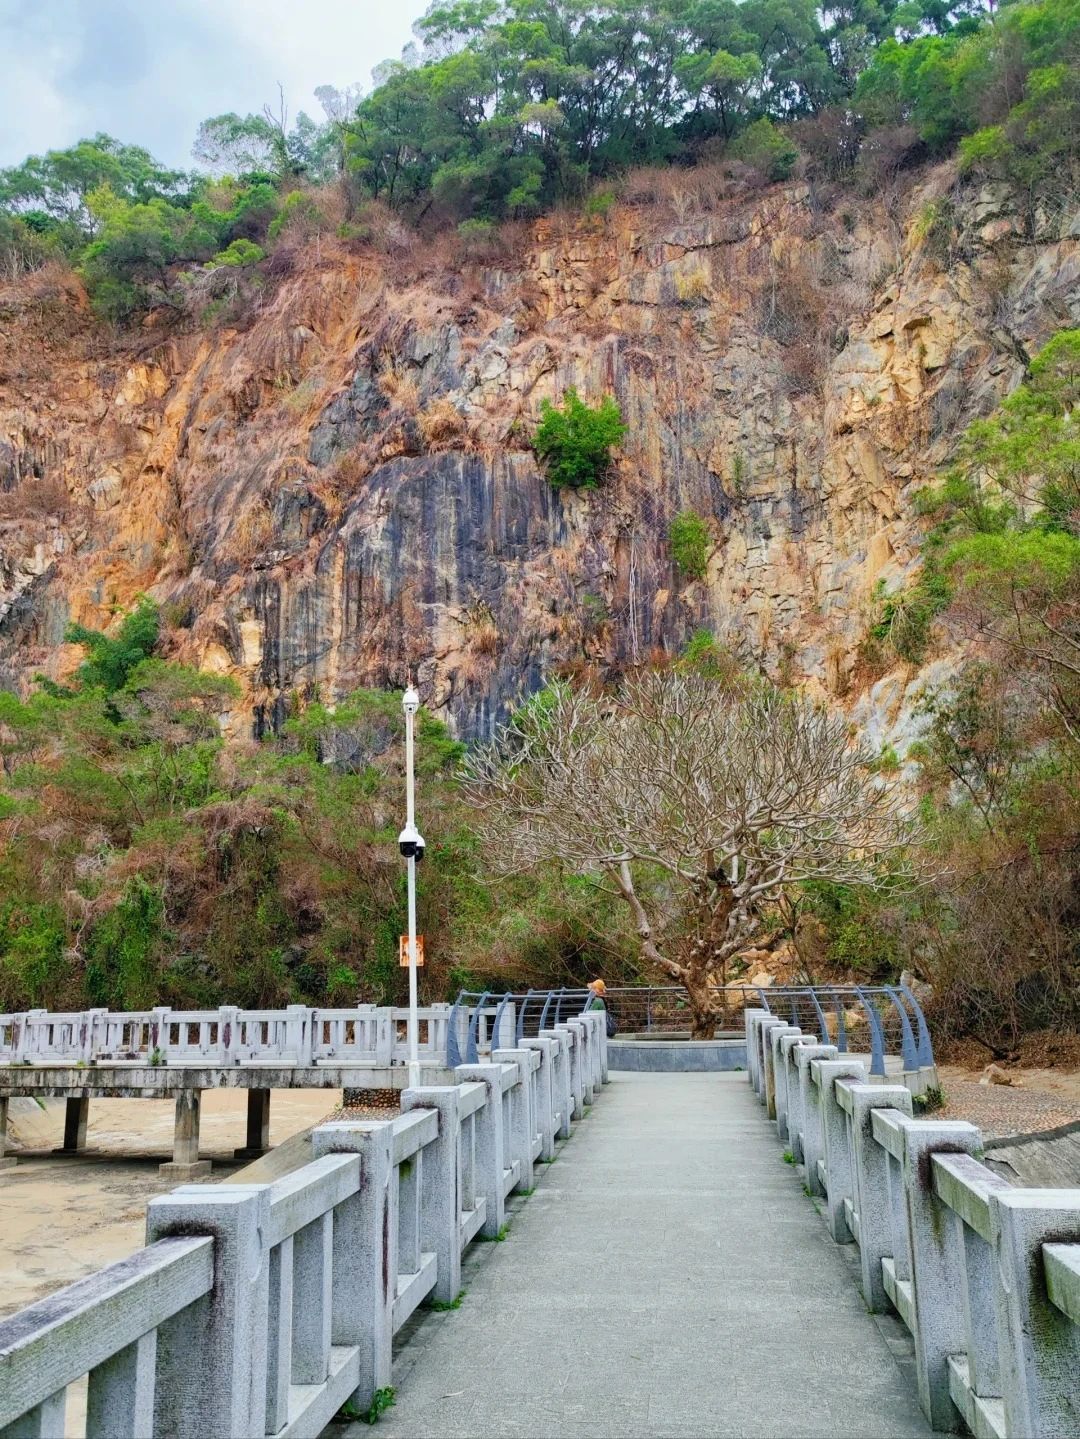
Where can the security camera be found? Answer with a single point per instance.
(410, 700)
(411, 843)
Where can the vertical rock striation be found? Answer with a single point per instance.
(343, 490)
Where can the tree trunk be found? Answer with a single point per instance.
(703, 1007)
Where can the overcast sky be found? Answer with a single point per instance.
(147, 71)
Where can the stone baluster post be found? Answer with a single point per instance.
(577, 1084)
(1039, 1345)
(839, 1160)
(300, 1034)
(547, 1100)
(751, 1020)
(92, 1033)
(776, 1077)
(488, 1139)
(120, 1392)
(783, 1039)
(595, 1019)
(33, 1033)
(872, 1186)
(440, 1199)
(228, 1033)
(159, 1033)
(768, 1074)
(522, 1127)
(211, 1358)
(934, 1259)
(561, 1085)
(811, 1124)
(384, 1038)
(364, 1252)
(585, 1032)
(794, 1092)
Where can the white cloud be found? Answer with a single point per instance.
(148, 73)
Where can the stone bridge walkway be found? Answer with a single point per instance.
(667, 1277)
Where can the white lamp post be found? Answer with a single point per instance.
(411, 844)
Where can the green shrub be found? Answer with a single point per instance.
(575, 440)
(766, 149)
(240, 252)
(32, 962)
(477, 229)
(299, 216)
(122, 970)
(930, 1101)
(599, 204)
(689, 536)
(130, 265)
(859, 935)
(904, 619)
(933, 229)
(23, 247)
(888, 761)
(111, 660)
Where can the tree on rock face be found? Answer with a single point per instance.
(695, 799)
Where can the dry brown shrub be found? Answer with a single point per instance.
(399, 384)
(350, 470)
(252, 533)
(337, 487)
(442, 425)
(884, 154)
(304, 395)
(682, 192)
(481, 631)
(43, 285)
(830, 141)
(496, 245)
(36, 498)
(376, 226)
(792, 310)
(1010, 967)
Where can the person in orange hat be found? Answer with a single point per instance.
(598, 990)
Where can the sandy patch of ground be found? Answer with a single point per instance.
(64, 1217)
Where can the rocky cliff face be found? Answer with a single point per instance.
(343, 488)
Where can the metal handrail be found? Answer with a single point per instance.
(908, 1028)
(475, 1002)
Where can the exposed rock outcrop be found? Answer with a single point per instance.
(344, 489)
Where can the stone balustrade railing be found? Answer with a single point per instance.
(363, 1035)
(985, 1276)
(261, 1309)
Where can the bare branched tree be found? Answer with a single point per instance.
(731, 793)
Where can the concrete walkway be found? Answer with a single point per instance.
(667, 1277)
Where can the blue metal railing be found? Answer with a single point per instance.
(534, 1010)
(878, 1003)
(879, 1019)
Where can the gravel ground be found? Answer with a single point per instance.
(1000, 1109)
(367, 1104)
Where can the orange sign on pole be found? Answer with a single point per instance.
(403, 951)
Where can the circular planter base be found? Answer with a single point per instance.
(676, 1056)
